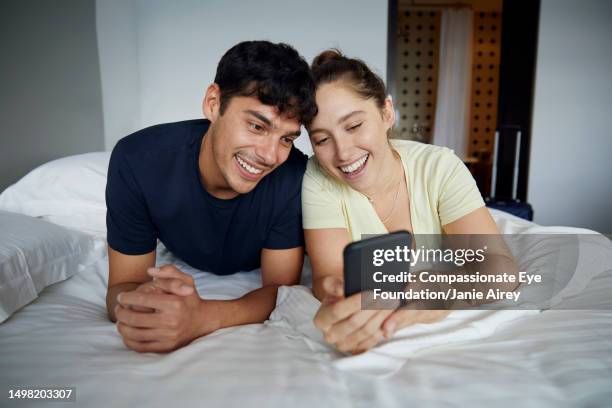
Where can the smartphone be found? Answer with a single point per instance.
(359, 254)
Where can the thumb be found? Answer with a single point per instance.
(174, 286)
(171, 272)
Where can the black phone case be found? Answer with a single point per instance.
(354, 252)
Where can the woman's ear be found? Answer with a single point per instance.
(389, 113)
(212, 102)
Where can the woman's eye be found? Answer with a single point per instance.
(321, 141)
(352, 128)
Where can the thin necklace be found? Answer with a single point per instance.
(371, 198)
(399, 183)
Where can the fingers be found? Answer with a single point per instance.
(328, 314)
(142, 309)
(171, 271)
(147, 287)
(138, 334)
(344, 328)
(370, 342)
(173, 285)
(151, 300)
(370, 331)
(404, 318)
(144, 347)
(136, 319)
(398, 320)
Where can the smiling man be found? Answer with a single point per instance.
(222, 194)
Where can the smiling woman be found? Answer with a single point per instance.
(361, 182)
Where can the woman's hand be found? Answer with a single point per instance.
(416, 312)
(410, 315)
(344, 323)
(351, 329)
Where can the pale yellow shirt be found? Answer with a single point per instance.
(440, 187)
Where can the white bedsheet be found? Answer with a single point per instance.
(554, 358)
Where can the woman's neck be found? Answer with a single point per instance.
(389, 176)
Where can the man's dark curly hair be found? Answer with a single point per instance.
(275, 73)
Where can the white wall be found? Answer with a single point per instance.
(157, 58)
(50, 101)
(570, 175)
(116, 25)
(179, 43)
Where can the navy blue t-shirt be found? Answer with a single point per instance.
(154, 192)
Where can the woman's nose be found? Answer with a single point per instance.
(343, 150)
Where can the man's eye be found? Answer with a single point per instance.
(321, 141)
(288, 140)
(352, 128)
(256, 127)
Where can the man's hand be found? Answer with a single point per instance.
(164, 314)
(147, 287)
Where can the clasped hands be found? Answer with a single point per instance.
(165, 313)
(353, 330)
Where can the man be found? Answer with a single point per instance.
(222, 194)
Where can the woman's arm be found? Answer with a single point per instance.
(325, 248)
(498, 258)
(342, 320)
(478, 222)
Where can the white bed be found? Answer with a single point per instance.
(553, 358)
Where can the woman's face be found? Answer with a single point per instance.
(349, 135)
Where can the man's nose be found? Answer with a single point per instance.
(267, 151)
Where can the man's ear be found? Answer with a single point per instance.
(389, 113)
(212, 102)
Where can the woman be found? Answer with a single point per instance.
(360, 182)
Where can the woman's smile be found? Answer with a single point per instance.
(355, 169)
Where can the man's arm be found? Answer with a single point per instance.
(126, 273)
(182, 316)
(278, 267)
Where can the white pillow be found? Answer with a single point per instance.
(35, 254)
(67, 191)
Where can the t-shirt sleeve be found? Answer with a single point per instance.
(459, 194)
(128, 222)
(287, 232)
(321, 207)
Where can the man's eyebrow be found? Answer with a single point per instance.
(269, 123)
(296, 133)
(260, 117)
(345, 117)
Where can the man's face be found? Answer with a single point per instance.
(249, 141)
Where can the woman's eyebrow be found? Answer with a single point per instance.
(347, 116)
(313, 131)
(342, 119)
